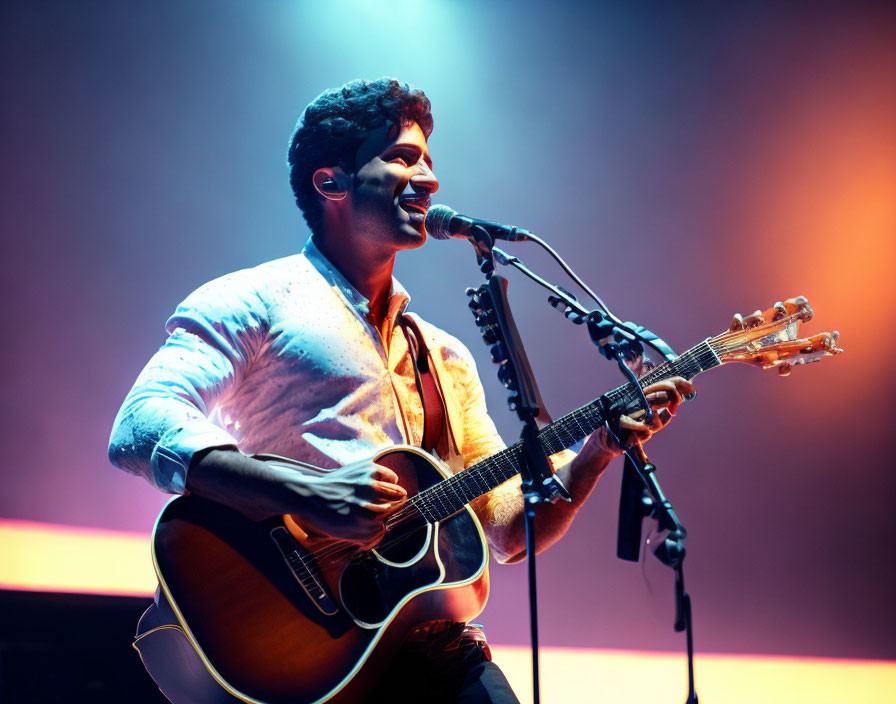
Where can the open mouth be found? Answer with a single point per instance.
(415, 206)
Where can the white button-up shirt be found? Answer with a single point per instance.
(283, 359)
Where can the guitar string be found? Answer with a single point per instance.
(439, 493)
(329, 553)
(410, 513)
(344, 548)
(740, 337)
(443, 494)
(489, 466)
(589, 413)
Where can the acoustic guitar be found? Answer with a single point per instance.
(278, 616)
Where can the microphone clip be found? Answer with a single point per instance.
(483, 244)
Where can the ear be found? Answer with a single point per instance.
(330, 182)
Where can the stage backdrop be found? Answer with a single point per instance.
(689, 164)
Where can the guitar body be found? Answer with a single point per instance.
(278, 616)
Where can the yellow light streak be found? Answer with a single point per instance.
(45, 557)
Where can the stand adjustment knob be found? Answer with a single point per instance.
(485, 317)
(507, 377)
(490, 335)
(499, 353)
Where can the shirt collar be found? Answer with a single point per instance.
(398, 298)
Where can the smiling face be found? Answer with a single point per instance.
(391, 188)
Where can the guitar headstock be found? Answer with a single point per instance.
(770, 339)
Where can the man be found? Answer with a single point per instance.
(311, 357)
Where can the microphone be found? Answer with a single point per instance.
(444, 223)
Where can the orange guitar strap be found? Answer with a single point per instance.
(434, 413)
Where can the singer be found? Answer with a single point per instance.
(314, 357)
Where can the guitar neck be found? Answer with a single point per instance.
(448, 497)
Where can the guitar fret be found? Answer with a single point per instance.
(449, 496)
(423, 508)
(483, 486)
(446, 494)
(468, 486)
(444, 502)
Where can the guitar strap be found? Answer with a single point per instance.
(434, 413)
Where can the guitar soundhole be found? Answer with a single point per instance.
(404, 542)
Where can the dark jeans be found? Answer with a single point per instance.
(452, 666)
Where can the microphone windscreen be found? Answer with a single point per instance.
(438, 218)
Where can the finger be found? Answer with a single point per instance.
(632, 425)
(668, 393)
(664, 415)
(378, 508)
(678, 384)
(659, 398)
(634, 444)
(384, 474)
(390, 491)
(683, 386)
(654, 423)
(667, 399)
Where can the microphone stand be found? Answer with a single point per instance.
(540, 485)
(619, 342)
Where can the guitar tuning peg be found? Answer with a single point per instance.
(780, 311)
(514, 401)
(484, 318)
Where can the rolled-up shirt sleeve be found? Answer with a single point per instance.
(213, 337)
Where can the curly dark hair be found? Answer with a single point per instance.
(335, 124)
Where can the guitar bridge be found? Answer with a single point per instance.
(304, 570)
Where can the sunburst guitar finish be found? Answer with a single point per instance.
(279, 617)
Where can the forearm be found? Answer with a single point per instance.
(502, 511)
(347, 503)
(254, 488)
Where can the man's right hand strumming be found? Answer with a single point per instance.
(348, 503)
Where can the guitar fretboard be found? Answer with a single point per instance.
(449, 496)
